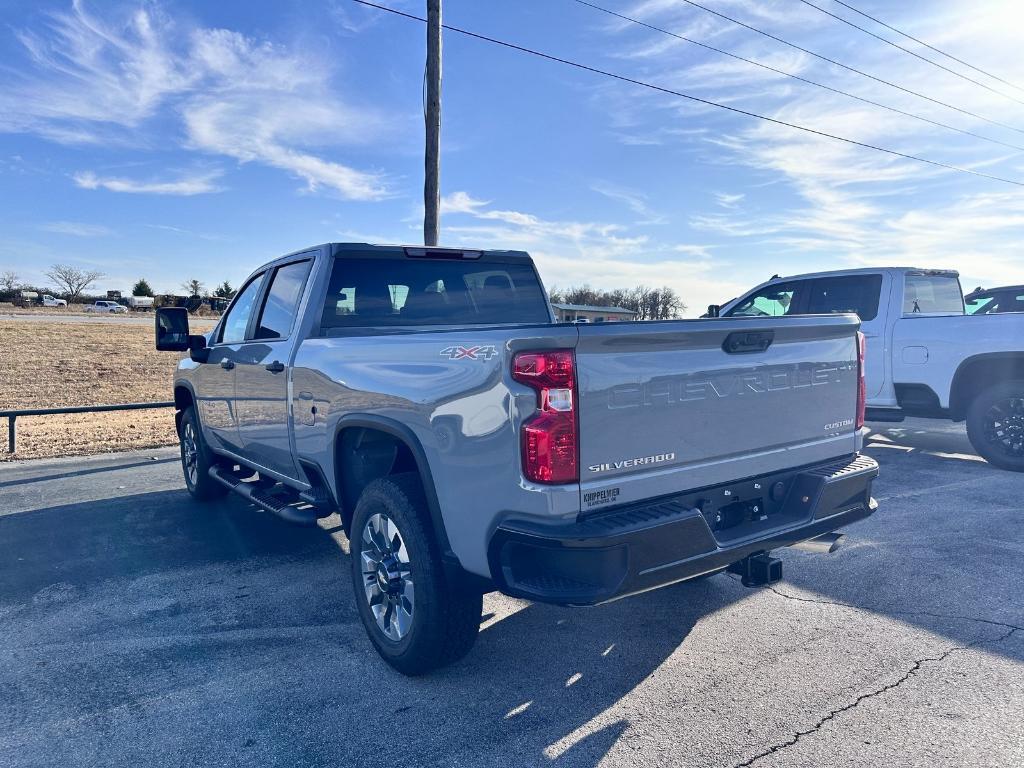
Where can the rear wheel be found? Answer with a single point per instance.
(995, 425)
(416, 619)
(196, 459)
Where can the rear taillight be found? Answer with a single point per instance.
(549, 438)
(862, 388)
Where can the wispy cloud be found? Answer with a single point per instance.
(634, 199)
(76, 229)
(461, 202)
(186, 232)
(184, 185)
(726, 200)
(92, 78)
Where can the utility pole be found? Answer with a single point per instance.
(432, 117)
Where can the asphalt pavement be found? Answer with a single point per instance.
(140, 628)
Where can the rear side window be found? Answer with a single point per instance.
(773, 300)
(932, 294)
(411, 292)
(851, 293)
(282, 302)
(980, 305)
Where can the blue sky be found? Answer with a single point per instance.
(172, 140)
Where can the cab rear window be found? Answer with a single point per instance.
(406, 292)
(932, 294)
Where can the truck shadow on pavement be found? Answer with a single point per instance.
(129, 621)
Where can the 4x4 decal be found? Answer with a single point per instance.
(469, 353)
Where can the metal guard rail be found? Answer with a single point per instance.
(12, 416)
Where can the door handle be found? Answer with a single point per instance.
(227, 365)
(275, 367)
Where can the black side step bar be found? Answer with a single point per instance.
(297, 515)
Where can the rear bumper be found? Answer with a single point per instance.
(632, 549)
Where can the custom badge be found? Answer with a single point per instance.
(469, 353)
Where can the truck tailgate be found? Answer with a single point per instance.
(672, 406)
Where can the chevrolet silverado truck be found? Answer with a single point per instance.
(925, 356)
(470, 443)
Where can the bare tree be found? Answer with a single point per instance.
(9, 280)
(193, 287)
(73, 281)
(648, 303)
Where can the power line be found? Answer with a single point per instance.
(915, 54)
(798, 77)
(926, 45)
(847, 67)
(680, 94)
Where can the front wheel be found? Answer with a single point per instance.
(196, 459)
(995, 425)
(416, 620)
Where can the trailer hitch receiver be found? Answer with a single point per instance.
(758, 570)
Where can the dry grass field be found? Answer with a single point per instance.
(50, 364)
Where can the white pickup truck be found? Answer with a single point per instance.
(925, 355)
(106, 308)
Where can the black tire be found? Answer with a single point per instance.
(995, 425)
(444, 619)
(197, 477)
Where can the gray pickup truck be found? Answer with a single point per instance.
(471, 443)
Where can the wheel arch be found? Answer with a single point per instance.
(184, 397)
(409, 455)
(977, 373)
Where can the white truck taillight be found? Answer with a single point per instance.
(862, 388)
(549, 439)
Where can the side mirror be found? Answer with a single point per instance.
(197, 349)
(714, 310)
(172, 329)
(172, 334)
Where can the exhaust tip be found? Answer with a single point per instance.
(825, 544)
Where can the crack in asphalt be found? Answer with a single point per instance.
(1010, 630)
(893, 611)
(885, 688)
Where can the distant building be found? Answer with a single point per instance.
(571, 313)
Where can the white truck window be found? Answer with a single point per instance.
(771, 301)
(849, 293)
(932, 294)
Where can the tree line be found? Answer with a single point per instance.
(648, 303)
(72, 283)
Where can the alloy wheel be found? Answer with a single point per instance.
(190, 454)
(1004, 426)
(387, 576)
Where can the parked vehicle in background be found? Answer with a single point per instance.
(471, 443)
(25, 298)
(49, 301)
(140, 303)
(925, 356)
(1009, 298)
(106, 307)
